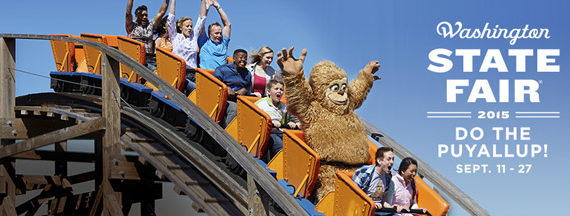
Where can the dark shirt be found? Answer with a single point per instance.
(233, 78)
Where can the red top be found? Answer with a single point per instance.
(259, 84)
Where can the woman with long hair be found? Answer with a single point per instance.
(261, 70)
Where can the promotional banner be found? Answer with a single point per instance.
(479, 90)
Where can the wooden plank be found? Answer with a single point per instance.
(7, 103)
(126, 169)
(71, 114)
(111, 205)
(33, 182)
(8, 197)
(51, 155)
(61, 164)
(52, 137)
(7, 77)
(12, 129)
(82, 177)
(33, 204)
(257, 198)
(96, 202)
(111, 139)
(427, 171)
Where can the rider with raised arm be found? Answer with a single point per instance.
(184, 39)
(214, 46)
(142, 30)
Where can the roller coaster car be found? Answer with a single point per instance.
(172, 69)
(251, 127)
(349, 199)
(346, 199)
(210, 94)
(297, 164)
(135, 49)
(69, 57)
(63, 54)
(92, 55)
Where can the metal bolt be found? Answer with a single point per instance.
(256, 192)
(116, 162)
(9, 123)
(14, 133)
(122, 173)
(250, 211)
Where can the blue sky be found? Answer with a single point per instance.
(399, 34)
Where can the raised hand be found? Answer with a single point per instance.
(215, 4)
(209, 3)
(372, 67)
(288, 64)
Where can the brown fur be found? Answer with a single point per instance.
(332, 130)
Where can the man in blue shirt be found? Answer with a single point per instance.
(214, 46)
(238, 80)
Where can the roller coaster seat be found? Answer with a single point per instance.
(171, 68)
(80, 57)
(349, 199)
(427, 197)
(93, 55)
(210, 94)
(430, 199)
(134, 49)
(63, 54)
(346, 199)
(251, 127)
(297, 163)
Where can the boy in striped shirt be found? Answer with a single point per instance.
(273, 106)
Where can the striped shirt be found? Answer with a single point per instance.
(275, 112)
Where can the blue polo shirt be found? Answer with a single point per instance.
(213, 54)
(233, 78)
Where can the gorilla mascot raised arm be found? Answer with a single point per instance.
(325, 105)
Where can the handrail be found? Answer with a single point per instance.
(257, 172)
(427, 171)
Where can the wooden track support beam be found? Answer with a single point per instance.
(7, 115)
(54, 156)
(52, 137)
(7, 77)
(257, 198)
(111, 139)
(61, 165)
(7, 190)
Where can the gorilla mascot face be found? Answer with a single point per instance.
(330, 87)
